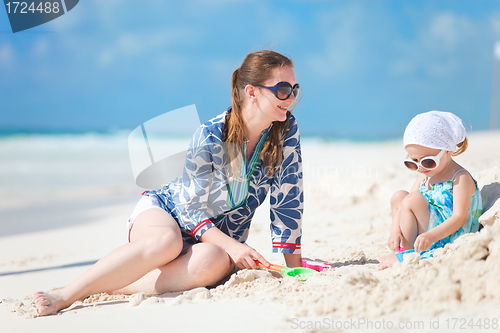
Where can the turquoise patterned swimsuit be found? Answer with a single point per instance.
(440, 198)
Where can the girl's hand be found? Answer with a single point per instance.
(395, 241)
(243, 256)
(423, 242)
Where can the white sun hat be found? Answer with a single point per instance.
(435, 129)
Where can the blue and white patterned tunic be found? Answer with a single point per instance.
(209, 195)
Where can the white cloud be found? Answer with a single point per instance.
(7, 56)
(447, 30)
(274, 28)
(105, 58)
(355, 39)
(402, 67)
(40, 48)
(222, 67)
(441, 48)
(135, 44)
(341, 41)
(351, 39)
(494, 24)
(71, 19)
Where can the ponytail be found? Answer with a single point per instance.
(235, 94)
(233, 128)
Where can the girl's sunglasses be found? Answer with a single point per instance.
(283, 90)
(428, 162)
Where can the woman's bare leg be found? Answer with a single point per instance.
(200, 265)
(155, 241)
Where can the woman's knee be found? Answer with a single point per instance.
(209, 261)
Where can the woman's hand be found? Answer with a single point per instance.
(244, 256)
(241, 255)
(395, 241)
(423, 242)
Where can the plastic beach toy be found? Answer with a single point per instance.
(302, 272)
(316, 264)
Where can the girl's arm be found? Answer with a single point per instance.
(417, 183)
(463, 188)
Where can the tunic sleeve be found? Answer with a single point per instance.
(287, 197)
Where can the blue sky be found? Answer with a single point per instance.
(366, 67)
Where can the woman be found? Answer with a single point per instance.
(191, 233)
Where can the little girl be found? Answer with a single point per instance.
(444, 202)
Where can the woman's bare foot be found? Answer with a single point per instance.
(47, 304)
(386, 261)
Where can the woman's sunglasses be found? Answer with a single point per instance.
(428, 162)
(283, 90)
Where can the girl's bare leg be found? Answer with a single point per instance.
(396, 203)
(155, 241)
(395, 236)
(386, 261)
(412, 211)
(414, 218)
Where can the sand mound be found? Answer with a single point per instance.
(347, 223)
(490, 193)
(466, 272)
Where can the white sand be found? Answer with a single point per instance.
(346, 222)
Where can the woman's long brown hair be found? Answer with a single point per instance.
(256, 69)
